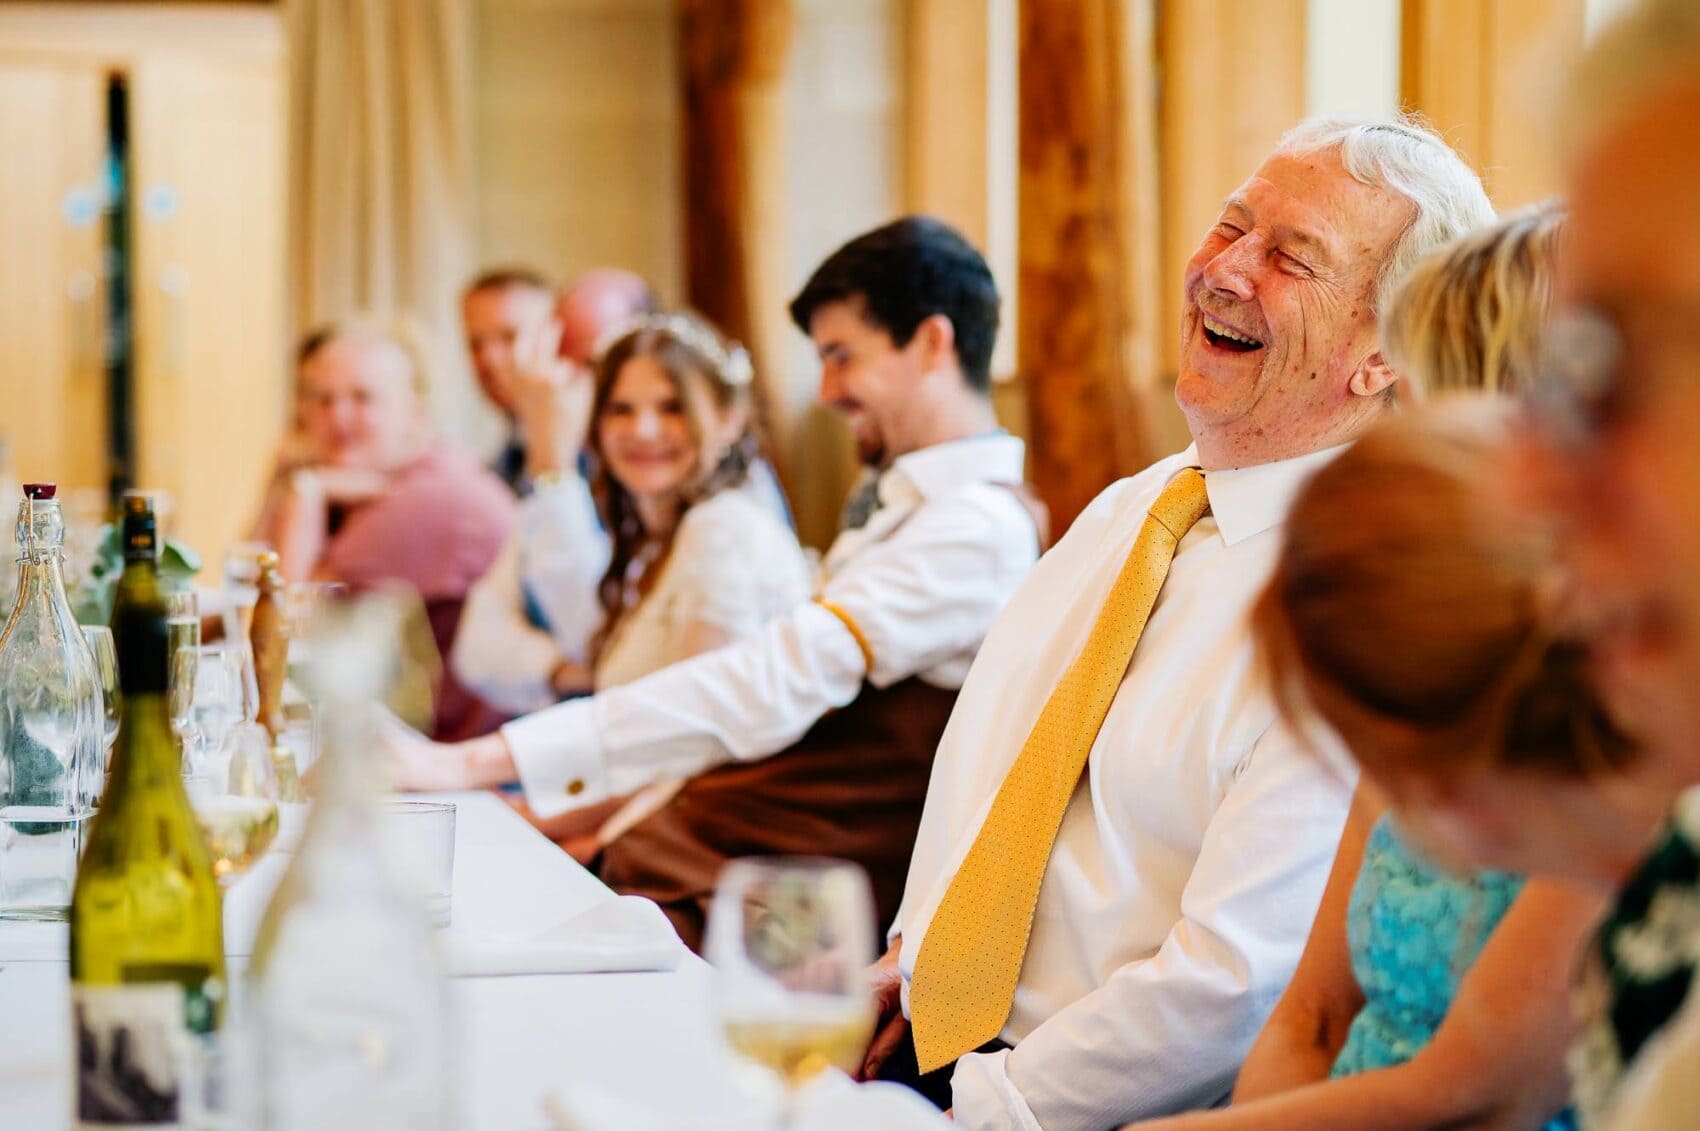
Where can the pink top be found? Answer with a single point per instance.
(437, 528)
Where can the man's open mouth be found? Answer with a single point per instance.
(1224, 337)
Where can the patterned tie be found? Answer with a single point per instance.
(864, 500)
(970, 960)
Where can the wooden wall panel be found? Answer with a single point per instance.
(1480, 70)
(211, 379)
(52, 305)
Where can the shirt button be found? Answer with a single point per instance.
(575, 787)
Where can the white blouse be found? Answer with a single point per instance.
(733, 568)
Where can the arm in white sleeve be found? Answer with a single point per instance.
(565, 554)
(926, 592)
(1168, 1033)
(498, 653)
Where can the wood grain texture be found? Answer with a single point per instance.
(1078, 282)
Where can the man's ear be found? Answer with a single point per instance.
(937, 338)
(1372, 377)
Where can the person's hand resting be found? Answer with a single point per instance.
(890, 1026)
(417, 764)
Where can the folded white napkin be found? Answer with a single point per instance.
(622, 934)
(832, 1102)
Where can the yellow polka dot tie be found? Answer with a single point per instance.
(965, 975)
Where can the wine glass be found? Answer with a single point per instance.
(792, 939)
(226, 693)
(234, 795)
(100, 642)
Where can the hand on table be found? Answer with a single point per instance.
(890, 1026)
(415, 763)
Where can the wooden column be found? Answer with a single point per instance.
(1477, 70)
(946, 167)
(1080, 300)
(733, 55)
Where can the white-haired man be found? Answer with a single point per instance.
(1122, 851)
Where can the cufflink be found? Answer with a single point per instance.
(575, 787)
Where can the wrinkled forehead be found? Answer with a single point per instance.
(1634, 231)
(1309, 195)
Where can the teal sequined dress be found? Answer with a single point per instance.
(1414, 931)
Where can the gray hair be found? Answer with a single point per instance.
(1652, 44)
(1404, 156)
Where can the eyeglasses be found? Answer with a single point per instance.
(1598, 365)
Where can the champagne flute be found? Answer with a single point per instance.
(792, 939)
(100, 642)
(183, 643)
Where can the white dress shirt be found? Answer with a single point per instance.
(910, 593)
(554, 560)
(1191, 859)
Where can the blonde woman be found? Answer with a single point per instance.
(1466, 319)
(365, 494)
(669, 548)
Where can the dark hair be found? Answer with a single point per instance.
(690, 351)
(904, 273)
(508, 278)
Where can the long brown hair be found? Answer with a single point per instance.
(1406, 594)
(694, 355)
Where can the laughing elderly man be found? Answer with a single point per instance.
(1122, 850)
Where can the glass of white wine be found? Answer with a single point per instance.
(235, 801)
(792, 939)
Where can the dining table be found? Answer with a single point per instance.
(523, 1043)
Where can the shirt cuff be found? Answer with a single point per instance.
(983, 1098)
(559, 757)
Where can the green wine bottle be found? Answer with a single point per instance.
(147, 940)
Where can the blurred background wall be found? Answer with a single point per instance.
(188, 185)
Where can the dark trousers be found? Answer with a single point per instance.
(934, 1086)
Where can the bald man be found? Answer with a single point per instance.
(531, 351)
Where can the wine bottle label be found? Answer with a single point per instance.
(141, 1054)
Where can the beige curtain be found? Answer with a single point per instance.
(379, 175)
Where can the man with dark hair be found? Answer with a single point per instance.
(816, 735)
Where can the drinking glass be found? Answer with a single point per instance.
(234, 794)
(792, 939)
(183, 642)
(105, 652)
(225, 697)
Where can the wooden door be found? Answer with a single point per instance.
(208, 140)
(52, 301)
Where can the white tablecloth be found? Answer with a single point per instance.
(520, 1038)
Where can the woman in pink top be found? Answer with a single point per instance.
(365, 494)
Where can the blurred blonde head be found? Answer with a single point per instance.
(1470, 316)
(360, 393)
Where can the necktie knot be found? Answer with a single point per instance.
(1182, 503)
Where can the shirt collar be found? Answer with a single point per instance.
(1249, 500)
(994, 457)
